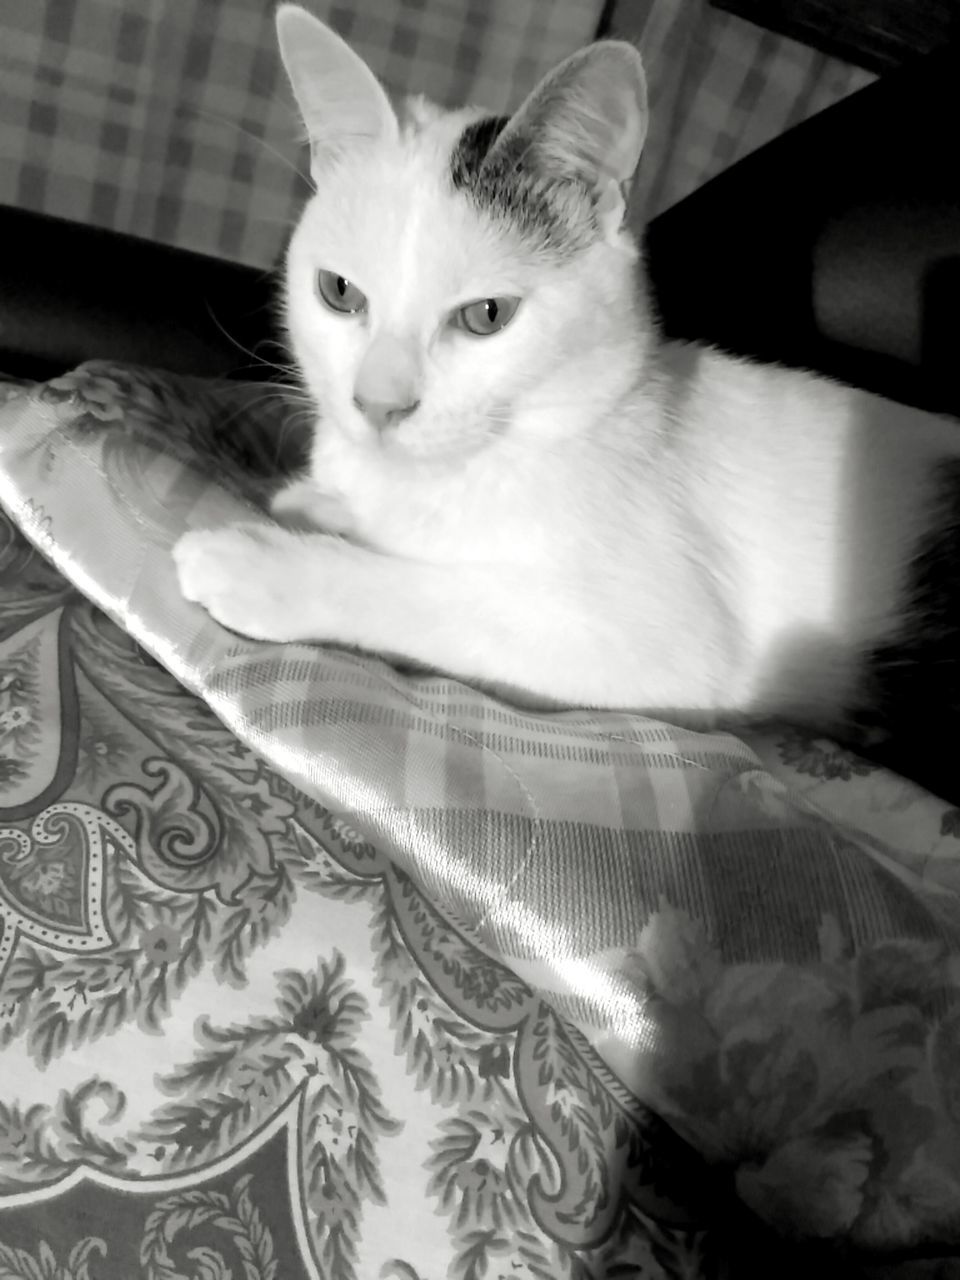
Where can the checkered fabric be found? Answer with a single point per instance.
(720, 88)
(174, 122)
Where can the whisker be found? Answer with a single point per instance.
(192, 108)
(259, 360)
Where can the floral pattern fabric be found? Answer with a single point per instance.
(410, 984)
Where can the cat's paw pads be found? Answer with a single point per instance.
(241, 576)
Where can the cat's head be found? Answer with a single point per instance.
(457, 277)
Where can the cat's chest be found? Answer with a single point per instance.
(476, 513)
(458, 524)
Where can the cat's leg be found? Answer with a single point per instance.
(301, 505)
(489, 623)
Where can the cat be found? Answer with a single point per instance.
(516, 481)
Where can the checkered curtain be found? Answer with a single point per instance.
(720, 87)
(172, 121)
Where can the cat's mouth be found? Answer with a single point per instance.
(446, 440)
(425, 436)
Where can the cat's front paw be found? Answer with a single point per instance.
(243, 576)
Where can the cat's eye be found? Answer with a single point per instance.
(339, 293)
(486, 315)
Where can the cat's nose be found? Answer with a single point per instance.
(388, 382)
(384, 414)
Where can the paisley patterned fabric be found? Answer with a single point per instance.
(310, 967)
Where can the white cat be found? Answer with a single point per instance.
(536, 492)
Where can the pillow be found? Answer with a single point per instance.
(777, 988)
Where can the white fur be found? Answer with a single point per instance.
(577, 513)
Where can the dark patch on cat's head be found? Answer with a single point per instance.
(472, 148)
(552, 213)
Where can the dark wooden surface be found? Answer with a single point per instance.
(877, 34)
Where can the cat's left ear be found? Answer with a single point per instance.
(340, 99)
(586, 119)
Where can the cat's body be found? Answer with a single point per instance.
(781, 513)
(565, 508)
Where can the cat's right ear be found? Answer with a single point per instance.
(340, 99)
